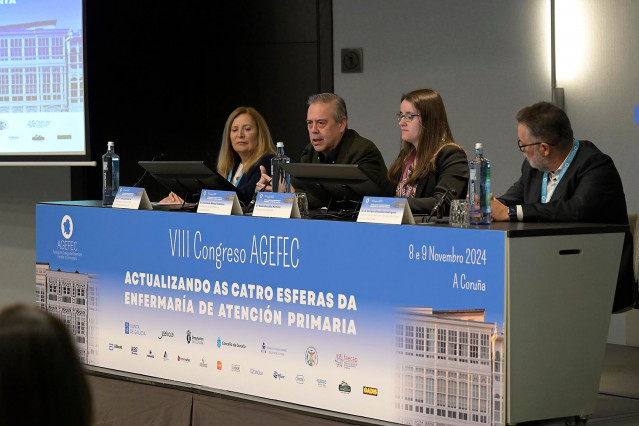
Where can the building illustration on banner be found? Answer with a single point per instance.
(449, 368)
(70, 297)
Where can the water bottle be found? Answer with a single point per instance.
(479, 187)
(278, 173)
(110, 175)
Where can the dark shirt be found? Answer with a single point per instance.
(352, 149)
(331, 157)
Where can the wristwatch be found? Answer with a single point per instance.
(512, 213)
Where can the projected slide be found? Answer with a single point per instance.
(41, 78)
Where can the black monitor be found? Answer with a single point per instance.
(336, 182)
(186, 178)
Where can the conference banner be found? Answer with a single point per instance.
(391, 322)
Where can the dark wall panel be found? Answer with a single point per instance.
(162, 78)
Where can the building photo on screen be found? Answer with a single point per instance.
(42, 107)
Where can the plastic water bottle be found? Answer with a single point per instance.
(479, 187)
(278, 173)
(110, 175)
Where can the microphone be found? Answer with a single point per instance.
(440, 203)
(249, 207)
(157, 157)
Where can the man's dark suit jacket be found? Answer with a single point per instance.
(590, 191)
(354, 149)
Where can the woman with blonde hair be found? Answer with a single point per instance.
(429, 162)
(246, 145)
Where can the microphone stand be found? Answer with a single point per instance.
(440, 204)
(249, 207)
(157, 157)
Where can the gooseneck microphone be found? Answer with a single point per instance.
(249, 207)
(156, 158)
(438, 209)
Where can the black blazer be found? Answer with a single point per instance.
(354, 149)
(451, 171)
(590, 191)
(246, 185)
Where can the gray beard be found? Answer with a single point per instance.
(540, 163)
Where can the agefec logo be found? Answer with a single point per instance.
(66, 248)
(66, 226)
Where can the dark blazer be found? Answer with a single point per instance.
(354, 149)
(451, 171)
(246, 185)
(590, 191)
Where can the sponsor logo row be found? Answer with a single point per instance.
(311, 357)
(343, 387)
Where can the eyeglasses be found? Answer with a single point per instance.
(522, 146)
(407, 117)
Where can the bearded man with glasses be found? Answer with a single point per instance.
(566, 180)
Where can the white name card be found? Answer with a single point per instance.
(390, 210)
(219, 202)
(276, 204)
(130, 197)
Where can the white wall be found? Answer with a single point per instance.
(601, 83)
(22, 189)
(488, 59)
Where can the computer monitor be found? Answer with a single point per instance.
(336, 182)
(186, 178)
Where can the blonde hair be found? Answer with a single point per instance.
(227, 157)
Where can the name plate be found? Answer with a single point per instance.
(130, 197)
(276, 204)
(219, 202)
(389, 210)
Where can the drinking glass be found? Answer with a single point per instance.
(302, 203)
(458, 215)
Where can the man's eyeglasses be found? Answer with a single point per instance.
(522, 146)
(407, 117)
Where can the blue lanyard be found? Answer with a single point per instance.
(230, 178)
(567, 161)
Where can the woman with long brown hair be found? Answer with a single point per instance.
(429, 162)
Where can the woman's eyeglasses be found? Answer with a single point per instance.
(407, 117)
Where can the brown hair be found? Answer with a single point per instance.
(42, 380)
(435, 134)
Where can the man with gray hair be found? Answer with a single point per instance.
(332, 142)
